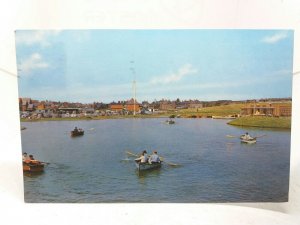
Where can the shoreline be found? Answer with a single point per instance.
(255, 122)
(262, 122)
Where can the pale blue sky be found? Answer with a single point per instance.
(95, 65)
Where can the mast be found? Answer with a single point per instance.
(134, 96)
(133, 87)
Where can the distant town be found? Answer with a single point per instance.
(35, 109)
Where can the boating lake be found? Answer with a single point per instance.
(213, 167)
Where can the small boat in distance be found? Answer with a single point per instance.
(170, 122)
(147, 166)
(77, 132)
(246, 138)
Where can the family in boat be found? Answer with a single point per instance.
(30, 164)
(145, 162)
(144, 158)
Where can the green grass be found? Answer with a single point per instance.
(223, 110)
(262, 121)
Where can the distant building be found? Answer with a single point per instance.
(167, 105)
(23, 104)
(195, 105)
(41, 106)
(68, 110)
(116, 107)
(132, 105)
(267, 109)
(88, 111)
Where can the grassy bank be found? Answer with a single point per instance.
(95, 118)
(223, 110)
(263, 122)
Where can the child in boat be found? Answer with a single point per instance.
(143, 158)
(154, 158)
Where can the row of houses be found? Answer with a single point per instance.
(29, 107)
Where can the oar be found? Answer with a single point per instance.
(170, 164)
(132, 154)
(261, 136)
(231, 136)
(44, 162)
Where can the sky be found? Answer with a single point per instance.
(100, 65)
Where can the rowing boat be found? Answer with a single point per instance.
(147, 166)
(77, 133)
(170, 122)
(33, 167)
(248, 141)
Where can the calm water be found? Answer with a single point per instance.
(214, 168)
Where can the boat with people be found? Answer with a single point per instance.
(170, 122)
(33, 167)
(249, 141)
(77, 132)
(246, 138)
(145, 162)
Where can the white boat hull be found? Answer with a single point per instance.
(252, 141)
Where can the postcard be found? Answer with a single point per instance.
(155, 116)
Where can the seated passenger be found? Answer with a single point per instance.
(32, 160)
(143, 158)
(247, 136)
(154, 158)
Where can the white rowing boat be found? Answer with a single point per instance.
(248, 141)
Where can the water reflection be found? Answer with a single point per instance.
(33, 174)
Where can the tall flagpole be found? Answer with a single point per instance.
(134, 96)
(134, 88)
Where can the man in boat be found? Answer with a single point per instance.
(247, 136)
(143, 158)
(154, 158)
(31, 160)
(75, 129)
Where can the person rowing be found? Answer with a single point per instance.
(143, 158)
(154, 158)
(246, 136)
(31, 160)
